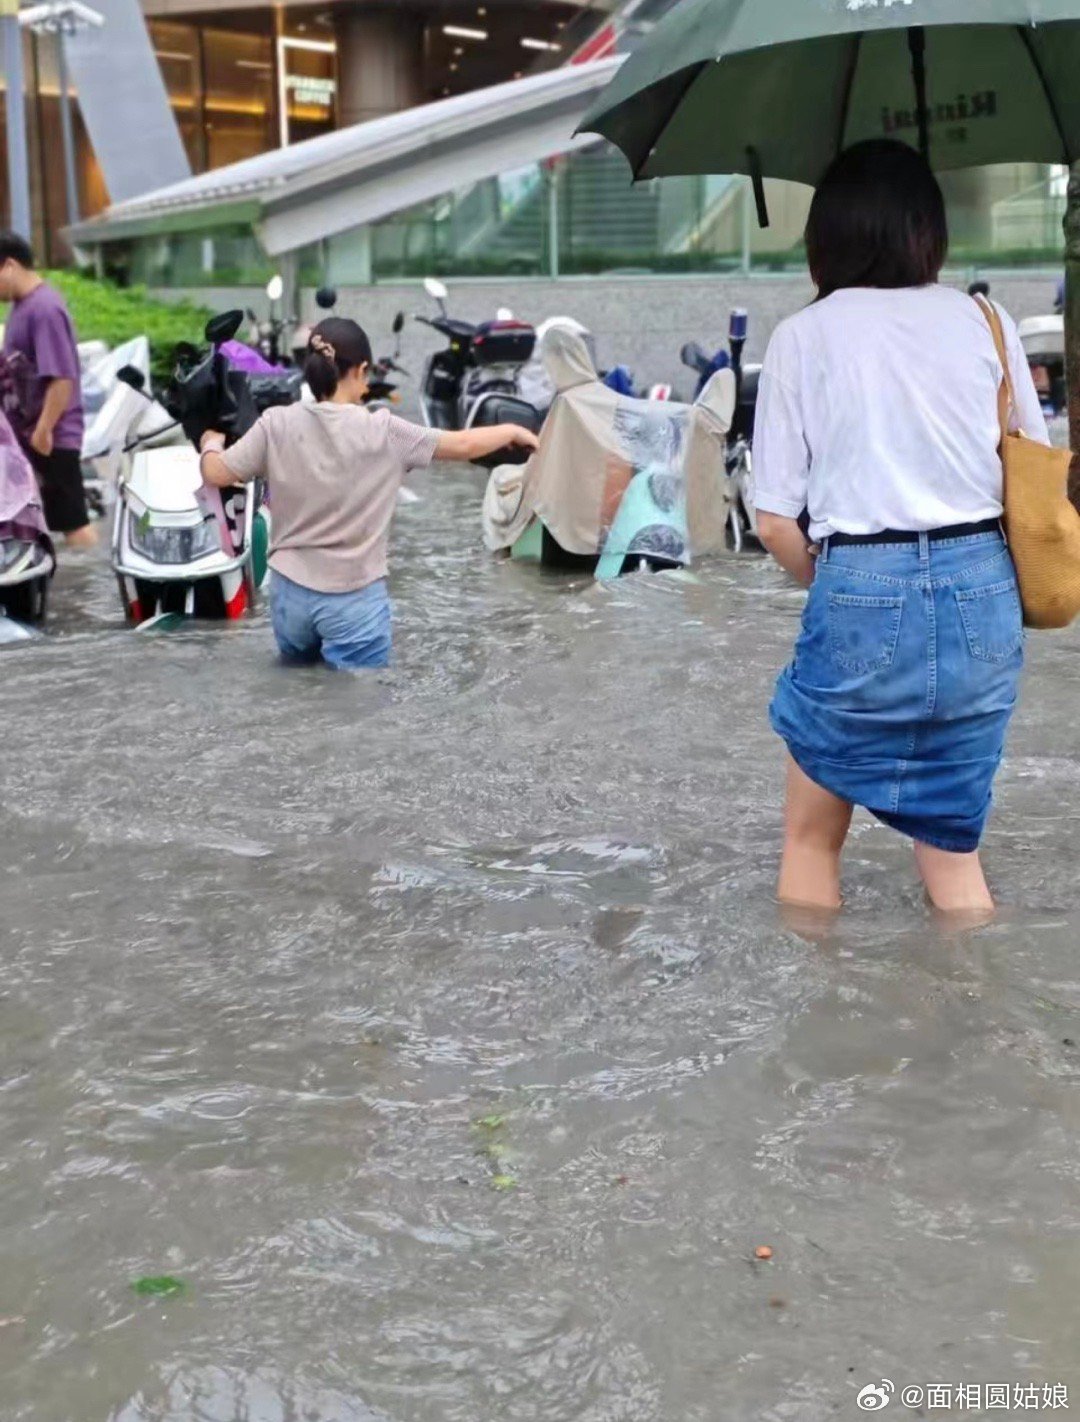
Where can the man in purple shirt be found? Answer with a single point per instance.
(40, 330)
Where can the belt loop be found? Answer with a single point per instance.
(823, 556)
(924, 550)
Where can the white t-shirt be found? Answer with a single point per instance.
(878, 409)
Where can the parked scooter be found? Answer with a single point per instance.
(740, 458)
(27, 560)
(1043, 340)
(180, 549)
(382, 388)
(703, 365)
(124, 411)
(620, 379)
(267, 336)
(479, 363)
(618, 484)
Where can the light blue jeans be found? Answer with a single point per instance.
(346, 630)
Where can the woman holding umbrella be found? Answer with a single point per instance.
(878, 412)
(878, 407)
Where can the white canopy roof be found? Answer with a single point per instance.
(301, 194)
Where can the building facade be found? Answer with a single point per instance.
(245, 79)
(246, 76)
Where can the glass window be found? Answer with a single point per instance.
(178, 55)
(239, 96)
(222, 256)
(1004, 216)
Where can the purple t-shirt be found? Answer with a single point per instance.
(40, 328)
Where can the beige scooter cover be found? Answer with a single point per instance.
(592, 443)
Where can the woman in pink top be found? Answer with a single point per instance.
(334, 469)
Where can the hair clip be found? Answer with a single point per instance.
(322, 346)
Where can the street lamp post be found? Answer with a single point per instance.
(61, 18)
(18, 162)
(67, 135)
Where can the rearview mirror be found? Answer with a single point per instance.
(693, 356)
(133, 376)
(399, 323)
(435, 289)
(223, 327)
(275, 287)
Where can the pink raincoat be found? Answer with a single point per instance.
(21, 513)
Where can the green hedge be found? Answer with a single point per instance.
(104, 312)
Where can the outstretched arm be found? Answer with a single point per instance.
(465, 445)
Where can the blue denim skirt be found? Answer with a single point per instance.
(904, 680)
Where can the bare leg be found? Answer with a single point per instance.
(85, 537)
(816, 823)
(954, 882)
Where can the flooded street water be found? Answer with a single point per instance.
(437, 1030)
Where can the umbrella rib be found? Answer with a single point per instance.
(693, 73)
(845, 103)
(1025, 40)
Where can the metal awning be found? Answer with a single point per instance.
(327, 185)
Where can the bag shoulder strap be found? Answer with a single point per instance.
(1006, 399)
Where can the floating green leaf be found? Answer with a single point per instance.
(158, 1286)
(490, 1123)
(503, 1182)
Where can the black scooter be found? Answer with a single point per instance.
(476, 376)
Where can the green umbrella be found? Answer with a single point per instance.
(778, 87)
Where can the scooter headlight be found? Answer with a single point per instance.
(174, 545)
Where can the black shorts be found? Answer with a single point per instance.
(62, 490)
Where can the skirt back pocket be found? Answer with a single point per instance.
(863, 631)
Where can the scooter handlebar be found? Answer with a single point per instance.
(150, 434)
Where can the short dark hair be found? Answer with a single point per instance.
(336, 346)
(877, 219)
(13, 247)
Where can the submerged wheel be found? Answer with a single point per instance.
(26, 602)
(173, 597)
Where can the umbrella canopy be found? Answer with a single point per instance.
(779, 87)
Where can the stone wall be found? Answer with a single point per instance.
(639, 321)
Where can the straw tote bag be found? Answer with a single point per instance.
(1042, 526)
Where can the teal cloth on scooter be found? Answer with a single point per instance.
(650, 524)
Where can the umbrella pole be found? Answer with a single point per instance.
(753, 164)
(1072, 324)
(916, 38)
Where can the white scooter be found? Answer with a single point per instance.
(124, 413)
(1043, 340)
(181, 550)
